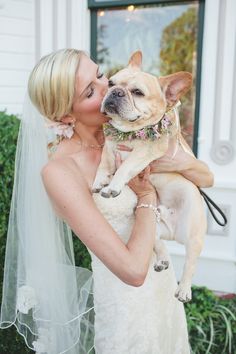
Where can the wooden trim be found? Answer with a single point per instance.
(93, 4)
(93, 35)
(201, 11)
(37, 21)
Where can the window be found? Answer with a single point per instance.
(169, 35)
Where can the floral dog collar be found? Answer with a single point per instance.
(150, 132)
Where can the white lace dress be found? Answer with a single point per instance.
(135, 320)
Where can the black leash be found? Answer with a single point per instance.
(211, 205)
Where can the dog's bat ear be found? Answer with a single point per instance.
(135, 61)
(175, 85)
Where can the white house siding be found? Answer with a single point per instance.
(16, 51)
(30, 29)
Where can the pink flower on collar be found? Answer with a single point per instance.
(141, 133)
(165, 122)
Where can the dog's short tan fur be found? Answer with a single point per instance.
(181, 207)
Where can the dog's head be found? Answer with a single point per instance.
(136, 99)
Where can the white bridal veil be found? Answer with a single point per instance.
(45, 295)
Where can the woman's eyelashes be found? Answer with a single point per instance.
(100, 75)
(90, 94)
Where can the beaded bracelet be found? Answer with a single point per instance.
(150, 206)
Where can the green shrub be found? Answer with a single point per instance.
(211, 321)
(10, 341)
(9, 126)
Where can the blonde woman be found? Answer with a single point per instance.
(44, 294)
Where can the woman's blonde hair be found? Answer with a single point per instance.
(51, 84)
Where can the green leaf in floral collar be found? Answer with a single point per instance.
(150, 132)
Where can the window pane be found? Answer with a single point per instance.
(167, 36)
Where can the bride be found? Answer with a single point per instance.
(44, 294)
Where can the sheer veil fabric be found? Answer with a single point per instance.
(45, 295)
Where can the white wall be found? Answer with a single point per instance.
(16, 51)
(60, 24)
(32, 28)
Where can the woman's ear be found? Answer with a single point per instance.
(135, 61)
(67, 119)
(174, 86)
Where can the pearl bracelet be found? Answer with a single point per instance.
(150, 206)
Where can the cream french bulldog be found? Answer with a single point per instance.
(144, 117)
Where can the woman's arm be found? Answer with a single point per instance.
(73, 203)
(191, 168)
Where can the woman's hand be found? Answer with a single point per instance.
(187, 165)
(180, 162)
(140, 184)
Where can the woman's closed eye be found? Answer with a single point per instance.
(91, 92)
(100, 75)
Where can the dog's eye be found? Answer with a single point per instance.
(138, 92)
(110, 83)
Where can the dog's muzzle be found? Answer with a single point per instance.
(112, 101)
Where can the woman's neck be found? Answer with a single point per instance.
(90, 135)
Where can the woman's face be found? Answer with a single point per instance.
(91, 86)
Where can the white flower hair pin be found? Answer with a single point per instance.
(61, 129)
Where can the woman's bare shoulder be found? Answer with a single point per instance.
(61, 168)
(62, 158)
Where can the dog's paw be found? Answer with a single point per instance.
(107, 192)
(161, 265)
(183, 293)
(98, 189)
(100, 183)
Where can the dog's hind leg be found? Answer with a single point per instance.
(162, 260)
(165, 231)
(193, 250)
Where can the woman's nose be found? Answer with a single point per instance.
(104, 87)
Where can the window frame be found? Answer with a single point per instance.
(94, 6)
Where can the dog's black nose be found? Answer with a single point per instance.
(110, 104)
(118, 92)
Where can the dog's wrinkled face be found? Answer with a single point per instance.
(136, 99)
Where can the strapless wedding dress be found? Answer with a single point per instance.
(135, 320)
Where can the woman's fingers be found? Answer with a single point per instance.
(118, 160)
(123, 147)
(145, 173)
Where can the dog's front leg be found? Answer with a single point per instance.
(137, 160)
(106, 167)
